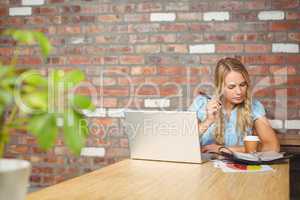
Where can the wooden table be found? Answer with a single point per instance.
(136, 179)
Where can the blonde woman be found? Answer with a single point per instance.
(232, 113)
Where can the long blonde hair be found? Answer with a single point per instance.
(244, 119)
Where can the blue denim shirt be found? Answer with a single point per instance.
(232, 135)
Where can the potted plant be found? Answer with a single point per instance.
(43, 105)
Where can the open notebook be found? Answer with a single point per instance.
(259, 156)
(267, 157)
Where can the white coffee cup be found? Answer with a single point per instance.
(251, 143)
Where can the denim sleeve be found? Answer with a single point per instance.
(199, 106)
(258, 110)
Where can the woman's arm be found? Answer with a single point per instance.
(265, 132)
(203, 126)
(215, 148)
(212, 114)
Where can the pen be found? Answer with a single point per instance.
(207, 96)
(204, 94)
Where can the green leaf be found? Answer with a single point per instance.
(36, 100)
(75, 131)
(56, 89)
(4, 70)
(28, 89)
(56, 76)
(43, 43)
(34, 78)
(8, 32)
(5, 97)
(82, 102)
(21, 36)
(44, 128)
(8, 82)
(4, 139)
(1, 110)
(28, 37)
(73, 78)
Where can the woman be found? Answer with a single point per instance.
(232, 113)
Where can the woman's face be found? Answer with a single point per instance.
(235, 88)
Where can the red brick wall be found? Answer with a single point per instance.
(165, 50)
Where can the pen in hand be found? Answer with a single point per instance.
(214, 104)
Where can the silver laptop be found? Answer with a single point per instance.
(163, 135)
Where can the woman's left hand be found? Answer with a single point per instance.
(210, 148)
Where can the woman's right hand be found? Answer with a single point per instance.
(212, 110)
